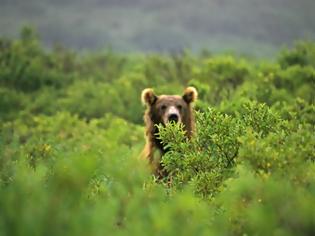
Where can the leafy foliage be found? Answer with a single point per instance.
(71, 133)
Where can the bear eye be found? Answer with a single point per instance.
(163, 107)
(179, 107)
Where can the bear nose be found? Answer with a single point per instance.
(173, 117)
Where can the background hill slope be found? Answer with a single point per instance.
(245, 26)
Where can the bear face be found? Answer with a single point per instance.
(161, 110)
(169, 108)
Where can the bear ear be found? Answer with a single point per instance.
(148, 97)
(190, 95)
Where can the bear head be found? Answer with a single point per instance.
(169, 108)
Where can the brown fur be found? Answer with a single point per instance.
(157, 113)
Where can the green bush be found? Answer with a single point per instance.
(303, 54)
(27, 67)
(252, 205)
(207, 158)
(249, 167)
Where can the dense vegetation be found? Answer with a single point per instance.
(253, 27)
(71, 132)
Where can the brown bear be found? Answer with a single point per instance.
(161, 110)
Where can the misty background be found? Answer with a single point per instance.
(251, 27)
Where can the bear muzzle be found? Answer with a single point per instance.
(172, 115)
(173, 118)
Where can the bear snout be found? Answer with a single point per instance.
(172, 115)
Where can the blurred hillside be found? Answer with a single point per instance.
(249, 27)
